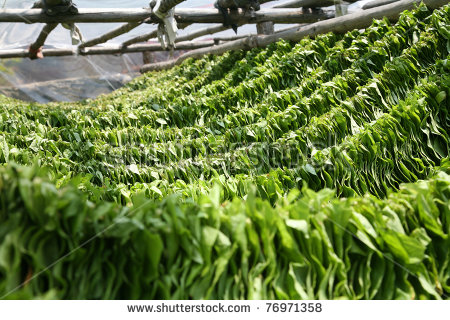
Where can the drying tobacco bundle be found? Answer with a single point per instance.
(190, 176)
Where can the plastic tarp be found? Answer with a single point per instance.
(69, 78)
(75, 78)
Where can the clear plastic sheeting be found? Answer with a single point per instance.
(69, 78)
(75, 78)
(66, 78)
(66, 89)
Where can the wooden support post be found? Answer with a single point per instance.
(166, 5)
(142, 38)
(147, 57)
(202, 32)
(265, 27)
(110, 35)
(40, 41)
(217, 40)
(242, 17)
(148, 36)
(341, 8)
(187, 45)
(376, 3)
(309, 3)
(35, 48)
(231, 38)
(22, 53)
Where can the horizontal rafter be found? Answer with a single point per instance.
(377, 3)
(118, 49)
(91, 15)
(275, 15)
(111, 34)
(182, 15)
(310, 3)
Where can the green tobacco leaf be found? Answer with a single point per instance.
(405, 248)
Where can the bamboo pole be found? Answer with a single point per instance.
(291, 28)
(376, 3)
(182, 15)
(243, 17)
(266, 27)
(90, 15)
(110, 35)
(187, 45)
(237, 37)
(34, 52)
(22, 53)
(166, 5)
(118, 49)
(231, 38)
(242, 44)
(309, 3)
(202, 32)
(150, 35)
(40, 41)
(141, 38)
(357, 20)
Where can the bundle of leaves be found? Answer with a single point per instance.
(184, 184)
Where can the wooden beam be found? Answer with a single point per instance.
(357, 20)
(142, 38)
(232, 3)
(22, 53)
(377, 3)
(210, 30)
(309, 3)
(90, 15)
(110, 35)
(231, 38)
(265, 1)
(118, 49)
(266, 27)
(166, 5)
(182, 15)
(241, 17)
(202, 32)
(40, 41)
(242, 44)
(187, 45)
(34, 52)
(237, 37)
(295, 27)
